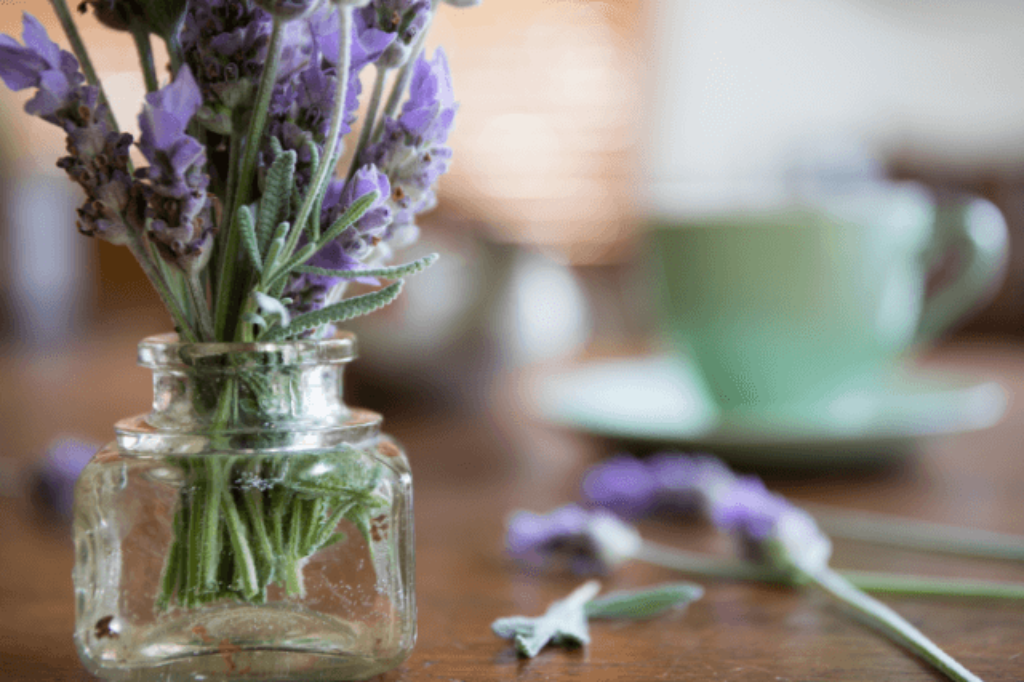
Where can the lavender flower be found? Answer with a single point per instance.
(41, 64)
(412, 150)
(634, 488)
(769, 529)
(225, 43)
(182, 227)
(368, 41)
(405, 19)
(624, 485)
(300, 106)
(309, 291)
(55, 478)
(590, 541)
(98, 157)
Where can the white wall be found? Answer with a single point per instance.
(740, 85)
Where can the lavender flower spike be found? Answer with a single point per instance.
(40, 63)
(405, 19)
(310, 292)
(182, 227)
(413, 149)
(591, 542)
(769, 529)
(623, 485)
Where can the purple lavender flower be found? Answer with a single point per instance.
(55, 478)
(368, 41)
(225, 43)
(309, 291)
(623, 485)
(589, 541)
(98, 157)
(41, 64)
(301, 103)
(413, 149)
(633, 487)
(404, 19)
(182, 227)
(769, 529)
(687, 482)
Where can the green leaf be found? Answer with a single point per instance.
(277, 244)
(393, 272)
(338, 312)
(356, 211)
(313, 226)
(249, 241)
(647, 603)
(277, 197)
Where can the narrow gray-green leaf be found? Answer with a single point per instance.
(277, 197)
(356, 211)
(337, 312)
(313, 226)
(277, 245)
(636, 604)
(249, 241)
(393, 272)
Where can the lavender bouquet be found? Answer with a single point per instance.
(246, 226)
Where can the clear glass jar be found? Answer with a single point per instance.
(252, 526)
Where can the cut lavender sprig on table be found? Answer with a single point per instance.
(688, 483)
(565, 623)
(781, 544)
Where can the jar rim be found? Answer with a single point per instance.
(166, 351)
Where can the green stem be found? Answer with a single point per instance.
(145, 50)
(210, 529)
(156, 278)
(243, 556)
(228, 294)
(198, 295)
(293, 571)
(701, 564)
(337, 118)
(890, 623)
(265, 549)
(175, 565)
(195, 553)
(888, 583)
(920, 535)
(370, 120)
(60, 8)
(174, 52)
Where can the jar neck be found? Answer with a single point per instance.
(255, 396)
(283, 397)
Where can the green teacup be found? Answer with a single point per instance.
(783, 308)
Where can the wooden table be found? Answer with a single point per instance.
(471, 470)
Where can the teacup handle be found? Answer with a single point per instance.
(976, 228)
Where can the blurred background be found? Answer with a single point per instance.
(568, 108)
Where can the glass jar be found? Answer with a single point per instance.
(252, 526)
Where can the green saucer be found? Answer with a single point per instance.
(658, 401)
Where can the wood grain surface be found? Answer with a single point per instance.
(471, 470)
